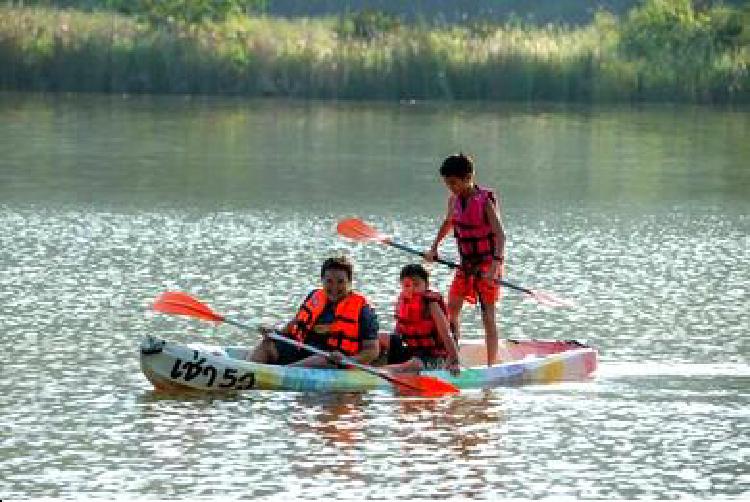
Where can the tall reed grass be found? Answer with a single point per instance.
(45, 49)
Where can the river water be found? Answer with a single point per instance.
(641, 215)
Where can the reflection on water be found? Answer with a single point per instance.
(213, 153)
(403, 446)
(639, 215)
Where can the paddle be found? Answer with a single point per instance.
(358, 230)
(173, 302)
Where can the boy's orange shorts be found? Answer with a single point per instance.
(469, 285)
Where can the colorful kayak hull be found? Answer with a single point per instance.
(171, 366)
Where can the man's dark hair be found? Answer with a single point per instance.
(458, 165)
(337, 263)
(415, 270)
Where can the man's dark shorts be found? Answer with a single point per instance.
(289, 352)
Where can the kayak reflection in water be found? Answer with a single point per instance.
(332, 318)
(423, 337)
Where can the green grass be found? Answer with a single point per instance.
(45, 49)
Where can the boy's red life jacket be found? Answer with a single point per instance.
(343, 332)
(415, 324)
(474, 235)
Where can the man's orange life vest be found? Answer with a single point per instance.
(474, 235)
(343, 332)
(415, 324)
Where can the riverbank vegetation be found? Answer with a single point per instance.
(663, 50)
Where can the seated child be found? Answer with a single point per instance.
(422, 338)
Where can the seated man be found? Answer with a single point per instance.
(332, 318)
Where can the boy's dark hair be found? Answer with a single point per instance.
(337, 263)
(458, 165)
(415, 270)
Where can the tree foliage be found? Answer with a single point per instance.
(677, 30)
(165, 11)
(192, 11)
(367, 24)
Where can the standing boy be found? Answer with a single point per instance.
(473, 214)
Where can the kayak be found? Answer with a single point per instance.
(172, 366)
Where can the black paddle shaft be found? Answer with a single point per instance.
(279, 336)
(451, 264)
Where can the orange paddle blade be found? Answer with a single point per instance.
(358, 230)
(174, 302)
(422, 385)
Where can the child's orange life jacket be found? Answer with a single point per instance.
(416, 326)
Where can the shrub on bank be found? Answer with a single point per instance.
(665, 49)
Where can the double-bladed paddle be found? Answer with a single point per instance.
(173, 302)
(358, 230)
